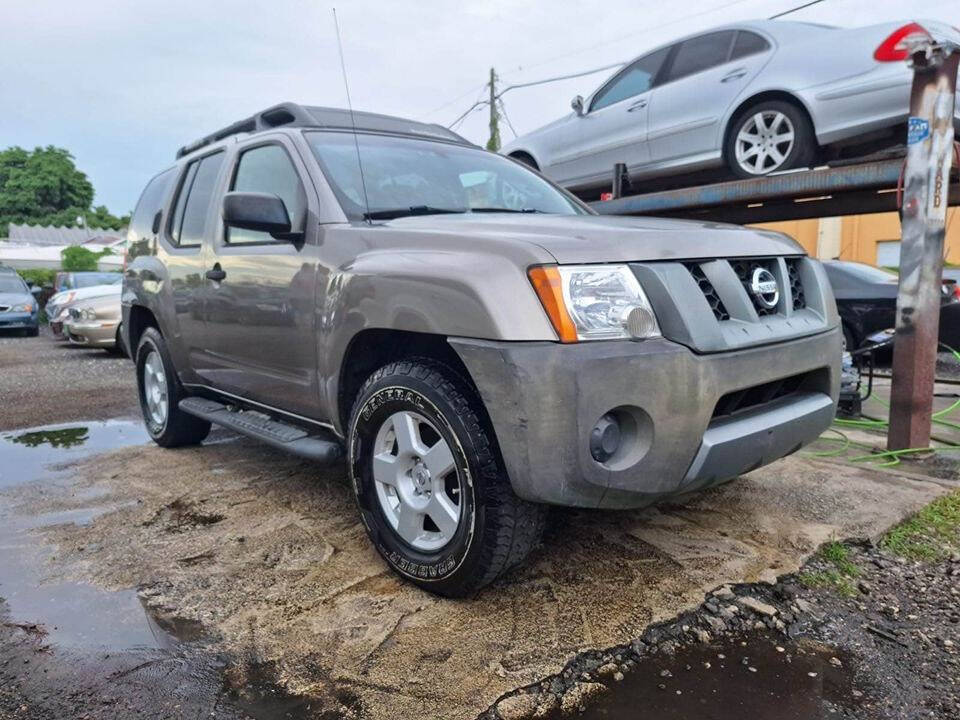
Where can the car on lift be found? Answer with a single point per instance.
(759, 97)
(867, 302)
(475, 340)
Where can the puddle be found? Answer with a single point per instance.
(731, 682)
(69, 614)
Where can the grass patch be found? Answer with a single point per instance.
(838, 577)
(931, 535)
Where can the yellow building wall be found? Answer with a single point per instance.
(859, 235)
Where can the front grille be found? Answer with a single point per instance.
(757, 395)
(74, 313)
(796, 287)
(4, 308)
(744, 270)
(709, 292)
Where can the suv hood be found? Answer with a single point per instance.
(573, 239)
(16, 298)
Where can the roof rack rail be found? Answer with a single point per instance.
(290, 114)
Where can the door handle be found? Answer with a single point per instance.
(637, 105)
(735, 75)
(216, 273)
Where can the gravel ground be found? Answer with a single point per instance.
(34, 372)
(883, 643)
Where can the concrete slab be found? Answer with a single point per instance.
(268, 554)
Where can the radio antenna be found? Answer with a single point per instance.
(353, 121)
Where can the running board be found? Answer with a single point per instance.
(260, 426)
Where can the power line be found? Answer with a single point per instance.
(793, 10)
(503, 111)
(478, 103)
(559, 77)
(457, 99)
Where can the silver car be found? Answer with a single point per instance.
(759, 96)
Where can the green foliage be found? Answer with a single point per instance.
(932, 534)
(38, 276)
(44, 187)
(78, 258)
(836, 578)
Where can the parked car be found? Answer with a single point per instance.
(759, 97)
(58, 306)
(96, 322)
(867, 302)
(479, 341)
(84, 279)
(19, 309)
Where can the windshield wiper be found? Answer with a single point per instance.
(504, 210)
(408, 211)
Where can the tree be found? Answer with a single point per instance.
(77, 258)
(44, 187)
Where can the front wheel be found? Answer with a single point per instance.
(160, 392)
(429, 481)
(769, 136)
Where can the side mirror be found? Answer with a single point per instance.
(263, 212)
(36, 289)
(577, 104)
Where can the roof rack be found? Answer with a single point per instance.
(290, 114)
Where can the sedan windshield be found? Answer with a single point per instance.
(405, 176)
(10, 283)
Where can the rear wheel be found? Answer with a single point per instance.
(160, 393)
(769, 136)
(429, 481)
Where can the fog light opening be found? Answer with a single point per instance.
(605, 438)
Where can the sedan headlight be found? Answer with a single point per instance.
(87, 314)
(22, 307)
(594, 302)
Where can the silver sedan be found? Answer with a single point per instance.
(760, 97)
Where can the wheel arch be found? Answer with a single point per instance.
(138, 320)
(781, 95)
(519, 154)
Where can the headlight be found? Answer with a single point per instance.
(22, 307)
(87, 314)
(594, 302)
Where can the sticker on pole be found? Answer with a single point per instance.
(918, 130)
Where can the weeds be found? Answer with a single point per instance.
(838, 577)
(931, 535)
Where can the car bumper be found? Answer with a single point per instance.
(91, 334)
(18, 321)
(545, 398)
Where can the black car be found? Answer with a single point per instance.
(867, 302)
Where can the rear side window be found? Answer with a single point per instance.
(634, 80)
(268, 169)
(189, 222)
(748, 43)
(700, 53)
(150, 203)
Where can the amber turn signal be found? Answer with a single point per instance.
(549, 288)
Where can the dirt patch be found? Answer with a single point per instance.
(286, 578)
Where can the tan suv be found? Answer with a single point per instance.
(476, 341)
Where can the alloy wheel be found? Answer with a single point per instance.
(764, 142)
(417, 481)
(155, 388)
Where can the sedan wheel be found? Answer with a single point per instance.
(764, 142)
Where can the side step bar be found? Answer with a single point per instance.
(284, 436)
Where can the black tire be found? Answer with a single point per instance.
(178, 428)
(801, 154)
(118, 349)
(496, 530)
(32, 332)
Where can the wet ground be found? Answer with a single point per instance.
(231, 579)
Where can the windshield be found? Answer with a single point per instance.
(406, 176)
(11, 283)
(89, 279)
(868, 273)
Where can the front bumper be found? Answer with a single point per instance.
(91, 334)
(544, 399)
(18, 321)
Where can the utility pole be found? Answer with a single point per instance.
(926, 186)
(494, 142)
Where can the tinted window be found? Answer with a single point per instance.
(748, 43)
(151, 201)
(90, 279)
(403, 173)
(176, 220)
(268, 169)
(635, 79)
(851, 272)
(197, 209)
(700, 53)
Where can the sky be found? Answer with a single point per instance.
(123, 83)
